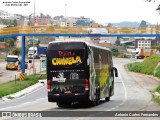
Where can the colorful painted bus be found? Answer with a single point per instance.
(78, 71)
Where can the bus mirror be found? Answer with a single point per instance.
(116, 71)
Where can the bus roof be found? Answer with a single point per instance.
(83, 41)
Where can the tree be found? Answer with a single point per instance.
(158, 8)
(115, 51)
(109, 25)
(30, 21)
(118, 41)
(82, 23)
(14, 22)
(150, 0)
(31, 41)
(16, 51)
(143, 24)
(41, 14)
(9, 43)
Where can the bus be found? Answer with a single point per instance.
(78, 71)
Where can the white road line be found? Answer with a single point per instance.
(125, 90)
(125, 93)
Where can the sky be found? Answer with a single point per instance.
(101, 11)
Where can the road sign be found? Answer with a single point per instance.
(43, 61)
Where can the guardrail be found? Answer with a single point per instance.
(75, 30)
(42, 29)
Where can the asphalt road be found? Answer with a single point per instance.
(8, 75)
(132, 93)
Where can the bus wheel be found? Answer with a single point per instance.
(60, 104)
(97, 97)
(108, 98)
(92, 103)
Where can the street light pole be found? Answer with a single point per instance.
(33, 42)
(65, 15)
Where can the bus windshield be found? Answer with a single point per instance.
(9, 59)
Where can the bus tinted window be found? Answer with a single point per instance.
(66, 55)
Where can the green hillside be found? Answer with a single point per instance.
(147, 66)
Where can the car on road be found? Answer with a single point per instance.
(13, 62)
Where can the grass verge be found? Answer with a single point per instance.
(147, 66)
(157, 98)
(18, 85)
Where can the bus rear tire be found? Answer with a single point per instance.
(63, 104)
(98, 97)
(92, 103)
(60, 104)
(107, 98)
(110, 92)
(97, 100)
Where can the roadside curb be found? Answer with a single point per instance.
(25, 91)
(155, 78)
(155, 94)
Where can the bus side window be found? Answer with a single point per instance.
(116, 71)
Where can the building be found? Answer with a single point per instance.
(58, 21)
(43, 20)
(6, 15)
(70, 21)
(82, 21)
(145, 42)
(105, 43)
